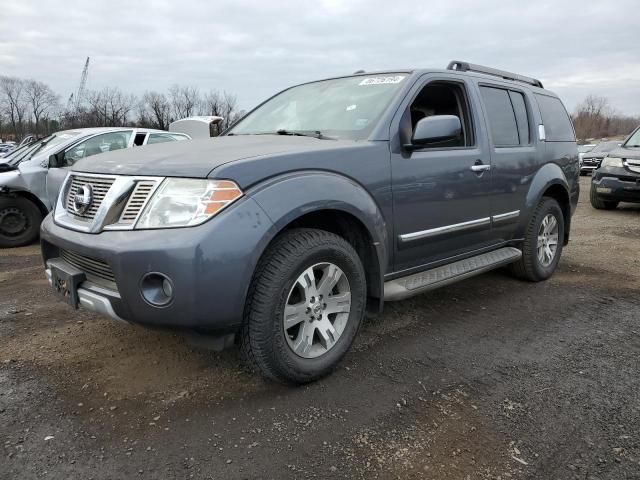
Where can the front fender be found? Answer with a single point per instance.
(12, 180)
(288, 197)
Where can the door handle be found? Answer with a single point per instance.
(480, 168)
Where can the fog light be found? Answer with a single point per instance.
(156, 289)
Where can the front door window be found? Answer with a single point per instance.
(106, 142)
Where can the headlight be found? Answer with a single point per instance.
(184, 202)
(611, 162)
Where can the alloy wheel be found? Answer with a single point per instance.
(317, 310)
(547, 240)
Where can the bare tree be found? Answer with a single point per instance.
(158, 109)
(109, 107)
(16, 104)
(42, 100)
(229, 109)
(212, 103)
(185, 101)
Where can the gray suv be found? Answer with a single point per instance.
(320, 204)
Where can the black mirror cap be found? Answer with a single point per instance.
(5, 167)
(434, 129)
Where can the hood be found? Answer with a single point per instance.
(596, 154)
(624, 152)
(197, 158)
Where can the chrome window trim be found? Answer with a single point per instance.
(503, 217)
(433, 232)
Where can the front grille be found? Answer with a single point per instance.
(96, 271)
(99, 186)
(137, 200)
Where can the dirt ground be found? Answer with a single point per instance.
(491, 378)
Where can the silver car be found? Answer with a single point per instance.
(30, 177)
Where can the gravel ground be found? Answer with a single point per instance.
(490, 378)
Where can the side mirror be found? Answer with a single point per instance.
(56, 160)
(435, 129)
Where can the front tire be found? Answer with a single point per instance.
(598, 203)
(20, 221)
(305, 306)
(543, 241)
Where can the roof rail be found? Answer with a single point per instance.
(471, 67)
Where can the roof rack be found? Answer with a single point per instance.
(471, 67)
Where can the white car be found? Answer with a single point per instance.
(31, 176)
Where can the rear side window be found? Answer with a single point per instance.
(502, 119)
(164, 137)
(557, 124)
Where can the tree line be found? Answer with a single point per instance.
(595, 118)
(29, 106)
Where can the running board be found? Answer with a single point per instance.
(405, 287)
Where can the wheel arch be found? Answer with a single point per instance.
(550, 181)
(333, 203)
(11, 193)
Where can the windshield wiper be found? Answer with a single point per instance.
(304, 133)
(296, 133)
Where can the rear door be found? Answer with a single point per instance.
(514, 156)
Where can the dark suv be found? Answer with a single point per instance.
(618, 177)
(320, 204)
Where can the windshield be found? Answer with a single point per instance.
(605, 147)
(634, 140)
(343, 107)
(42, 146)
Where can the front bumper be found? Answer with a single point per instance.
(94, 298)
(210, 266)
(615, 184)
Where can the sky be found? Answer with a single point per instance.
(254, 48)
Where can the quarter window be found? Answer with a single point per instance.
(557, 124)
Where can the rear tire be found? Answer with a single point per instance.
(20, 221)
(598, 203)
(540, 255)
(290, 278)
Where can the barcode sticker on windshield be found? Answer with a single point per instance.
(382, 80)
